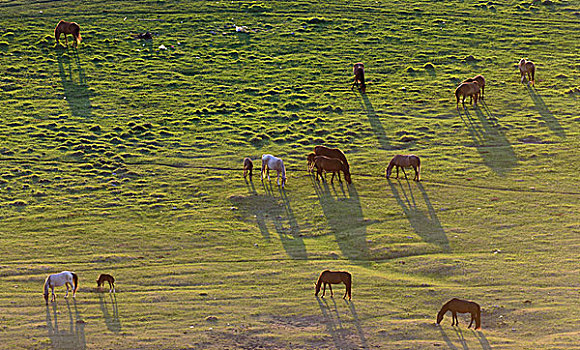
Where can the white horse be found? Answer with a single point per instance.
(61, 279)
(271, 162)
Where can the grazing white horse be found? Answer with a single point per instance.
(271, 162)
(61, 279)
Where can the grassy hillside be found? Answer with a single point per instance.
(124, 156)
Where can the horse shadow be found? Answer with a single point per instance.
(344, 216)
(425, 224)
(112, 321)
(544, 111)
(71, 338)
(460, 337)
(341, 336)
(375, 123)
(491, 143)
(74, 83)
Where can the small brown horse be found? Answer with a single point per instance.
(529, 68)
(405, 161)
(359, 77)
(331, 153)
(480, 80)
(248, 166)
(64, 27)
(461, 306)
(106, 278)
(333, 165)
(470, 89)
(334, 277)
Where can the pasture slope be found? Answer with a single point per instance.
(122, 157)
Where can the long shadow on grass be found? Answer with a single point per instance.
(274, 205)
(71, 338)
(345, 218)
(74, 83)
(491, 143)
(426, 225)
(334, 325)
(376, 124)
(544, 111)
(112, 321)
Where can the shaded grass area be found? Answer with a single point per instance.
(123, 157)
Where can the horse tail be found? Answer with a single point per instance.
(457, 95)
(348, 284)
(418, 169)
(534, 73)
(46, 285)
(263, 166)
(78, 35)
(75, 281)
(478, 317)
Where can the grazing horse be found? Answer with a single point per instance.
(334, 277)
(527, 67)
(405, 161)
(333, 165)
(248, 166)
(106, 278)
(64, 278)
(480, 80)
(359, 77)
(331, 153)
(470, 89)
(271, 162)
(310, 159)
(64, 27)
(462, 306)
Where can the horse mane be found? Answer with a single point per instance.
(75, 281)
(319, 282)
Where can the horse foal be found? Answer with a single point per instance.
(106, 278)
(248, 166)
(358, 71)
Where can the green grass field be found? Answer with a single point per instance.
(123, 157)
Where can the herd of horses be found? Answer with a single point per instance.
(322, 160)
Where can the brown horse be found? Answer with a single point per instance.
(470, 89)
(462, 306)
(106, 278)
(359, 77)
(480, 80)
(333, 165)
(310, 159)
(64, 27)
(529, 68)
(331, 153)
(248, 166)
(405, 161)
(334, 277)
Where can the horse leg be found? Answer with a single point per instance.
(278, 177)
(53, 296)
(332, 178)
(403, 169)
(338, 173)
(397, 167)
(331, 293)
(455, 321)
(416, 173)
(66, 39)
(470, 323)
(110, 286)
(66, 294)
(323, 289)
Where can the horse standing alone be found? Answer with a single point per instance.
(64, 278)
(333, 165)
(359, 77)
(461, 306)
(64, 27)
(529, 68)
(271, 162)
(405, 161)
(468, 89)
(334, 277)
(106, 278)
(248, 166)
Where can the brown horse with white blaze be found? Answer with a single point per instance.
(334, 277)
(358, 71)
(405, 161)
(468, 89)
(529, 68)
(64, 27)
(333, 165)
(461, 306)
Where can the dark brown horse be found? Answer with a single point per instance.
(480, 80)
(331, 153)
(331, 165)
(334, 277)
(405, 161)
(359, 77)
(529, 68)
(461, 306)
(64, 27)
(469, 89)
(248, 166)
(106, 278)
